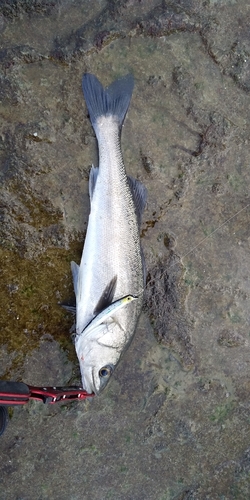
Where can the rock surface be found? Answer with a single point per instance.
(174, 422)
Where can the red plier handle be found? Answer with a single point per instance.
(18, 393)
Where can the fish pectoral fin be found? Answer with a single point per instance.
(107, 296)
(111, 340)
(75, 272)
(114, 320)
(139, 193)
(92, 180)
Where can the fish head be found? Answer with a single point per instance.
(98, 354)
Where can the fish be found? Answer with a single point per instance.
(107, 313)
(112, 264)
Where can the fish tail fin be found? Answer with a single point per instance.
(111, 101)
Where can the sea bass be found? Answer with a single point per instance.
(107, 314)
(111, 266)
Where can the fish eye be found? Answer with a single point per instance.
(106, 371)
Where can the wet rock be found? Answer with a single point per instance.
(160, 430)
(166, 19)
(229, 338)
(15, 8)
(165, 300)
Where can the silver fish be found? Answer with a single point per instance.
(108, 313)
(112, 264)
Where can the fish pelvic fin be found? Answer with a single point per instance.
(69, 308)
(75, 272)
(110, 101)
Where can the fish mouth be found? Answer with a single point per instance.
(88, 383)
(94, 388)
(89, 386)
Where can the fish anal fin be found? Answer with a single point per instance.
(92, 180)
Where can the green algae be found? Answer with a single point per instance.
(30, 296)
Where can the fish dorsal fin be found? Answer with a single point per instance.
(92, 180)
(75, 272)
(139, 193)
(107, 296)
(144, 269)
